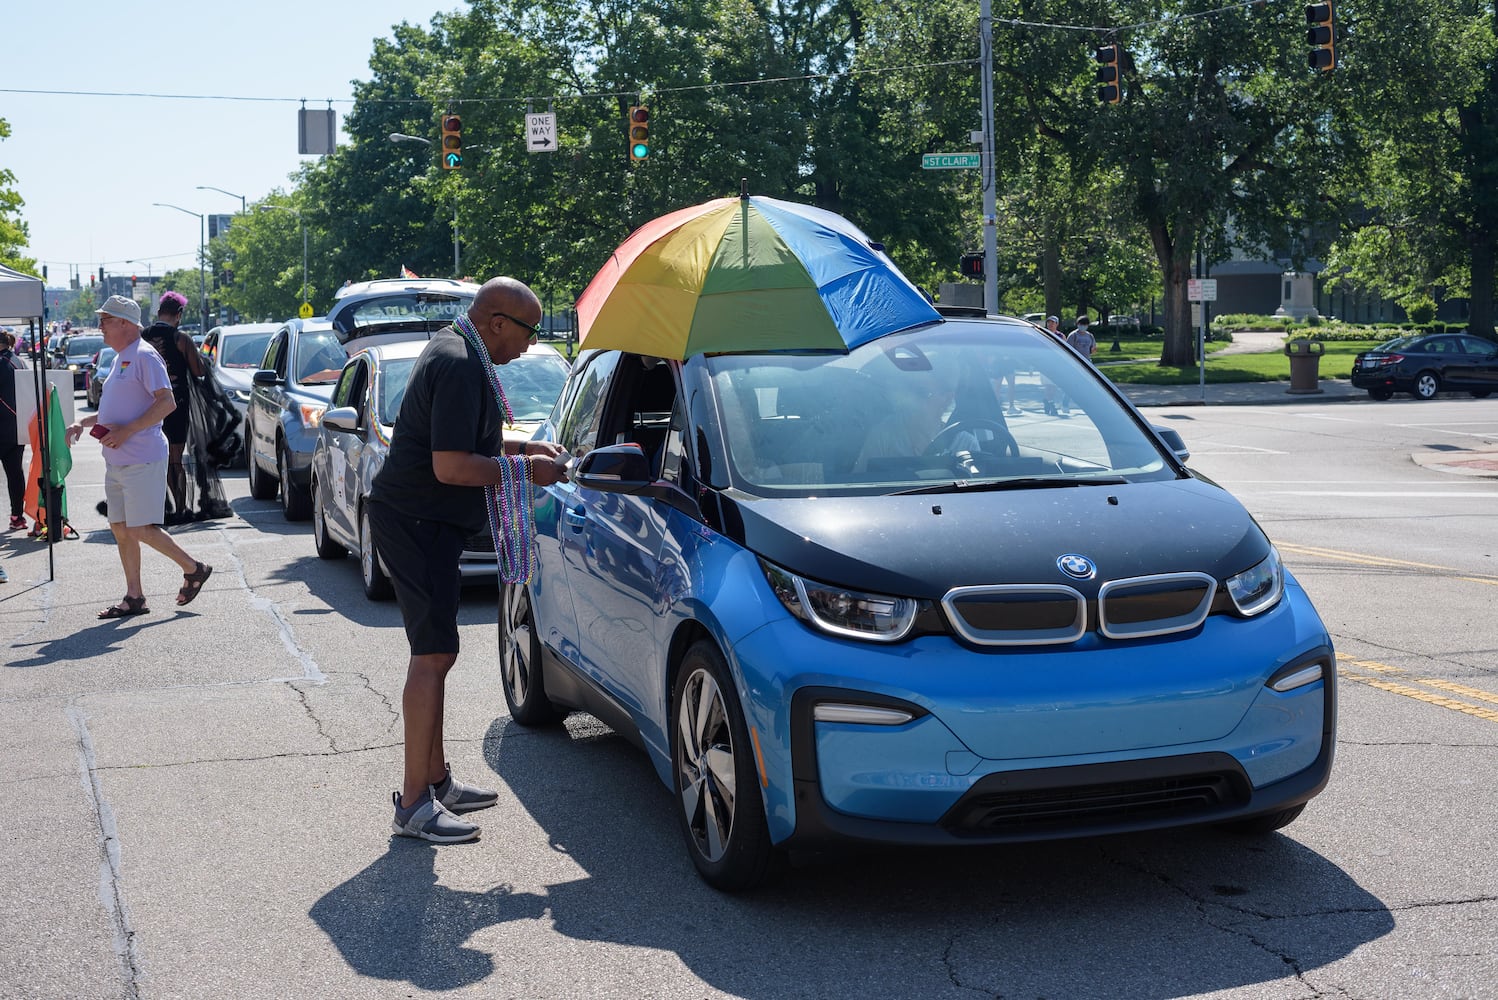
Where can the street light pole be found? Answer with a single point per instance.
(283, 208)
(202, 263)
(231, 194)
(457, 261)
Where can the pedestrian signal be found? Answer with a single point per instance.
(1321, 36)
(639, 133)
(971, 265)
(452, 142)
(1110, 84)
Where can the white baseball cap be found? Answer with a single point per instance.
(121, 308)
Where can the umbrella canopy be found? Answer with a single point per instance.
(741, 275)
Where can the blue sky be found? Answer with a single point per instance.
(89, 167)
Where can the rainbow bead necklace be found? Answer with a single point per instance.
(512, 519)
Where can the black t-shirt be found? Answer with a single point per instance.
(449, 406)
(163, 337)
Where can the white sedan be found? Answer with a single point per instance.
(355, 436)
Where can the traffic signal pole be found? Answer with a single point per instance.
(990, 207)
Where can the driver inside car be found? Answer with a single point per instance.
(919, 423)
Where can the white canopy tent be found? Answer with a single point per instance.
(23, 299)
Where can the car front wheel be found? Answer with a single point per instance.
(262, 487)
(326, 547)
(1426, 385)
(717, 787)
(376, 583)
(520, 660)
(296, 503)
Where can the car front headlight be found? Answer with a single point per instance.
(1259, 588)
(853, 614)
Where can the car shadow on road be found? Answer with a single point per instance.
(1158, 915)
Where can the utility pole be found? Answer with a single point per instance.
(990, 206)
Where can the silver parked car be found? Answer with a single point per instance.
(355, 436)
(234, 354)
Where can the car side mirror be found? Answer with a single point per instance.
(1174, 442)
(341, 418)
(619, 468)
(266, 376)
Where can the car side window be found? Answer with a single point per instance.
(359, 389)
(578, 429)
(1479, 347)
(275, 354)
(343, 391)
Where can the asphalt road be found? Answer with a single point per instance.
(200, 798)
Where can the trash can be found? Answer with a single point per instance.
(1305, 364)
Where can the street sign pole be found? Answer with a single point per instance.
(990, 235)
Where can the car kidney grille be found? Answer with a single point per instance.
(1100, 805)
(1051, 614)
(1017, 615)
(1154, 605)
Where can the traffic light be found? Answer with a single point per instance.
(1110, 84)
(1321, 36)
(971, 265)
(639, 133)
(452, 142)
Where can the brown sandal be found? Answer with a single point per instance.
(192, 583)
(133, 606)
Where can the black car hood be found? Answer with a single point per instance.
(922, 546)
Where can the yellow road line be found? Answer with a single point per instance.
(1366, 560)
(1428, 697)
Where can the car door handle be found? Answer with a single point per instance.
(576, 517)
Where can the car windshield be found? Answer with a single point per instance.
(243, 350)
(394, 375)
(434, 308)
(83, 348)
(532, 383)
(927, 408)
(319, 357)
(106, 358)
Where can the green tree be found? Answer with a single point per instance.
(13, 232)
(1425, 200)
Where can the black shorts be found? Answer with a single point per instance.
(422, 559)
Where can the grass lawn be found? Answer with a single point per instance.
(1274, 367)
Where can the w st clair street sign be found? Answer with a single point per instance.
(950, 161)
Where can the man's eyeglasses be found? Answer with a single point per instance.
(535, 333)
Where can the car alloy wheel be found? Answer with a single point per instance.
(716, 781)
(262, 487)
(326, 547)
(296, 504)
(520, 660)
(1427, 385)
(376, 583)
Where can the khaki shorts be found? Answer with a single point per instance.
(136, 494)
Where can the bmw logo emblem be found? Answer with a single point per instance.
(1077, 567)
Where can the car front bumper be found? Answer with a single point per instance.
(1132, 767)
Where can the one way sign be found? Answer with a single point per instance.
(541, 133)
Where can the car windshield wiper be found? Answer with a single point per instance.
(998, 485)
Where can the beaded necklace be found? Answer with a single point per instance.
(512, 521)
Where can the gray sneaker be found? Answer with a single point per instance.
(430, 821)
(460, 798)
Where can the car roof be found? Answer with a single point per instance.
(238, 328)
(384, 286)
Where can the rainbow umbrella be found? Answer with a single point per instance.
(743, 275)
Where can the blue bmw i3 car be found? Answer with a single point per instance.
(857, 597)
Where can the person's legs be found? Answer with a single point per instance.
(15, 478)
(129, 549)
(176, 477)
(421, 705)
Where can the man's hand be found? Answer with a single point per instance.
(548, 448)
(545, 470)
